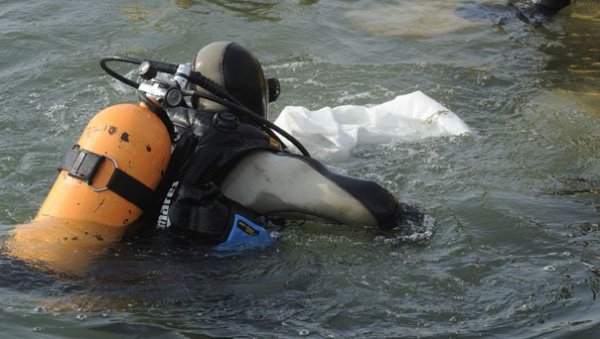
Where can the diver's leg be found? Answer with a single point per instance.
(288, 185)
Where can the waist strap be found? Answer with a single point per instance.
(83, 165)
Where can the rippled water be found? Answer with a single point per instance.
(515, 249)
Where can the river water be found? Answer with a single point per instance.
(515, 247)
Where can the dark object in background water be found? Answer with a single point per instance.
(536, 10)
(528, 11)
(547, 7)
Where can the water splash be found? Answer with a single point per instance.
(411, 231)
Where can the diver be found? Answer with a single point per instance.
(209, 166)
(229, 177)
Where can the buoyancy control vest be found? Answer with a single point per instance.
(207, 144)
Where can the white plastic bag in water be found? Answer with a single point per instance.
(409, 117)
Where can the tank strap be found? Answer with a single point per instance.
(83, 165)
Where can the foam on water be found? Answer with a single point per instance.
(411, 232)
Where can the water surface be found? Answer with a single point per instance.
(515, 249)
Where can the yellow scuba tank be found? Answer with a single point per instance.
(104, 184)
(129, 139)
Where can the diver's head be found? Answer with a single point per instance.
(235, 69)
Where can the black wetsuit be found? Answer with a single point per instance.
(207, 144)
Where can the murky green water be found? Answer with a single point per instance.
(515, 252)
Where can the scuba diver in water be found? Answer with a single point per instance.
(216, 172)
(228, 174)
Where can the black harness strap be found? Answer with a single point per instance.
(131, 189)
(83, 165)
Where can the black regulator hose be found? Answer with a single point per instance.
(256, 119)
(114, 74)
(161, 113)
(160, 66)
(219, 95)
